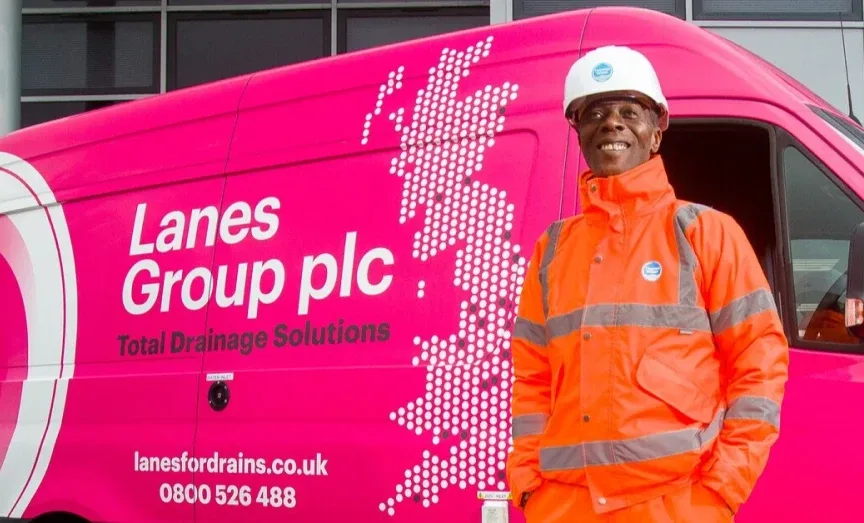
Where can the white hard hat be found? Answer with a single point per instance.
(613, 69)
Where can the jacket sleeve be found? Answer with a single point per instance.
(754, 355)
(531, 388)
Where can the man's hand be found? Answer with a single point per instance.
(524, 500)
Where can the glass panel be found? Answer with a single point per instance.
(530, 8)
(88, 3)
(821, 218)
(206, 50)
(244, 2)
(848, 130)
(777, 9)
(33, 113)
(88, 56)
(409, 2)
(366, 31)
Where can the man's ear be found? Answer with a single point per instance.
(574, 127)
(655, 143)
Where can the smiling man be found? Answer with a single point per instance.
(649, 359)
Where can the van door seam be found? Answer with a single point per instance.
(224, 175)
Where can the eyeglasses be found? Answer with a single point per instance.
(572, 115)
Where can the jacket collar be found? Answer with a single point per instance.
(630, 194)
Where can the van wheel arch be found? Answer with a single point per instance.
(59, 517)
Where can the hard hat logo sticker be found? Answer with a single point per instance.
(601, 72)
(652, 270)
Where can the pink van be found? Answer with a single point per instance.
(288, 296)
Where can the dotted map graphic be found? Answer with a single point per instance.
(466, 403)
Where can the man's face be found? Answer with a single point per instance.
(617, 134)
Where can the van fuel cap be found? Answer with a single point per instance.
(218, 395)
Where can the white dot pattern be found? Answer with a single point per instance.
(468, 375)
(393, 84)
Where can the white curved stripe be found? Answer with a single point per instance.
(50, 303)
(21, 196)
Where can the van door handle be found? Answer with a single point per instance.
(218, 395)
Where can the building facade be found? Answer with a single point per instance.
(78, 55)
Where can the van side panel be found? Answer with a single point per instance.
(104, 286)
(390, 226)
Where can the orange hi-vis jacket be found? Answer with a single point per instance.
(647, 350)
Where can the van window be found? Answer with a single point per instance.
(821, 217)
(718, 183)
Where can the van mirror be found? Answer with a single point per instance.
(855, 283)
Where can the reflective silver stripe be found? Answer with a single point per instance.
(529, 425)
(529, 331)
(684, 216)
(640, 315)
(755, 408)
(630, 314)
(564, 324)
(654, 446)
(548, 255)
(742, 308)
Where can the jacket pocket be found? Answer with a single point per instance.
(675, 389)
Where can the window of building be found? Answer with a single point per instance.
(531, 8)
(81, 54)
(427, 2)
(88, 3)
(823, 10)
(821, 217)
(33, 113)
(204, 47)
(90, 54)
(363, 29)
(243, 2)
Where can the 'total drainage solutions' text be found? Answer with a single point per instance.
(282, 335)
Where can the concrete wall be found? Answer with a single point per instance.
(10, 65)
